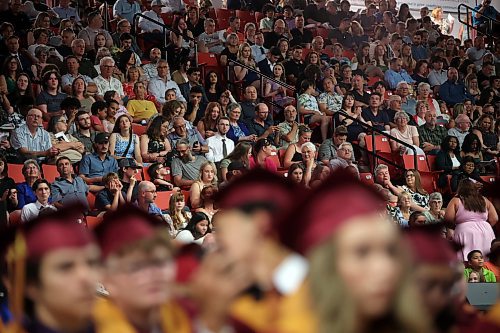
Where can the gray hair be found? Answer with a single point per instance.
(29, 162)
(309, 145)
(143, 186)
(398, 86)
(401, 114)
(435, 196)
(380, 167)
(233, 106)
(207, 21)
(106, 59)
(182, 141)
(423, 85)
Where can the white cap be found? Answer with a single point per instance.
(156, 3)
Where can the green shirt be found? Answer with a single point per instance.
(434, 136)
(488, 275)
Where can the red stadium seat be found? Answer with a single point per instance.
(222, 17)
(431, 162)
(381, 144)
(138, 129)
(16, 172)
(245, 17)
(367, 178)
(163, 199)
(50, 172)
(15, 218)
(93, 221)
(409, 163)
(91, 200)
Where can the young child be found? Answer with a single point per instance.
(157, 173)
(99, 113)
(476, 263)
(474, 277)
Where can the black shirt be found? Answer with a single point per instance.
(271, 39)
(299, 37)
(318, 15)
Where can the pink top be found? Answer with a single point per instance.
(407, 135)
(464, 215)
(270, 165)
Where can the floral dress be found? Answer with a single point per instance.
(121, 145)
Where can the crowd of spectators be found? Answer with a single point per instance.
(107, 113)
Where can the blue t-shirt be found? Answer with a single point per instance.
(490, 12)
(378, 121)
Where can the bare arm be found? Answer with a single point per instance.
(451, 211)
(492, 213)
(137, 150)
(194, 195)
(112, 144)
(179, 181)
(287, 160)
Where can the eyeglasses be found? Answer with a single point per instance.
(108, 66)
(151, 191)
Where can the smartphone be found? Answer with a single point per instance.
(196, 143)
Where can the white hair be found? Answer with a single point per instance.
(106, 59)
(309, 145)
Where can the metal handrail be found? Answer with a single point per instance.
(470, 10)
(161, 24)
(391, 137)
(262, 76)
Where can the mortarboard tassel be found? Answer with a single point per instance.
(16, 259)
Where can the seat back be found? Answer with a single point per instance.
(138, 129)
(163, 199)
(50, 172)
(409, 163)
(16, 172)
(381, 144)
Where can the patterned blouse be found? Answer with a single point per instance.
(309, 102)
(420, 199)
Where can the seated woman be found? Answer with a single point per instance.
(488, 138)
(435, 214)
(207, 126)
(197, 228)
(308, 151)
(213, 87)
(140, 108)
(472, 147)
(178, 214)
(309, 108)
(238, 131)
(242, 152)
(293, 153)
(207, 202)
(123, 143)
(467, 170)
(261, 151)
(296, 173)
(112, 195)
(157, 174)
(276, 92)
(41, 187)
(320, 174)
(207, 177)
(154, 143)
(249, 77)
(355, 131)
(413, 186)
(31, 173)
(402, 212)
(406, 133)
(448, 160)
(67, 144)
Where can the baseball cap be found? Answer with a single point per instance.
(128, 163)
(156, 3)
(101, 137)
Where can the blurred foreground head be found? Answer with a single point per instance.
(138, 264)
(53, 269)
(251, 207)
(359, 274)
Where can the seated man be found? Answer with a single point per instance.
(186, 167)
(146, 196)
(31, 140)
(452, 91)
(261, 126)
(95, 166)
(396, 74)
(431, 135)
(192, 136)
(112, 195)
(69, 188)
(288, 129)
(73, 67)
(140, 108)
(329, 147)
(219, 146)
(49, 100)
(344, 159)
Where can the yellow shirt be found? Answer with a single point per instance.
(276, 313)
(142, 109)
(109, 319)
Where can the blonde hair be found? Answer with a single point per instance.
(336, 310)
(203, 166)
